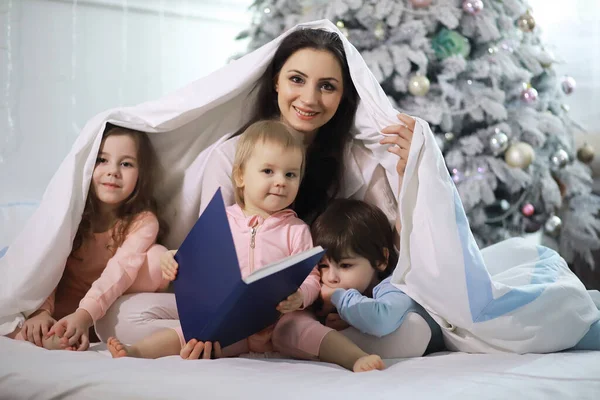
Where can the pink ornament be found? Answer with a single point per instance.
(528, 209)
(529, 95)
(568, 84)
(420, 3)
(472, 7)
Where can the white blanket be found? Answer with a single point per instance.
(28, 372)
(439, 266)
(512, 296)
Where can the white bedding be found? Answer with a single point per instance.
(33, 373)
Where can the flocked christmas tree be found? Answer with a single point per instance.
(478, 72)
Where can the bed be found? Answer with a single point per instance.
(29, 372)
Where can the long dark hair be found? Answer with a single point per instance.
(325, 155)
(141, 200)
(354, 225)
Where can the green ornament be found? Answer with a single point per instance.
(449, 43)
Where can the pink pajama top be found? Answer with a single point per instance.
(260, 242)
(95, 275)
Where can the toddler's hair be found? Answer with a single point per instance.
(267, 131)
(358, 227)
(141, 200)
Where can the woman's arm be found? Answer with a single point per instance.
(378, 316)
(217, 174)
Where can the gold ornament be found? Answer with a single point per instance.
(585, 154)
(519, 155)
(525, 22)
(379, 31)
(342, 27)
(418, 85)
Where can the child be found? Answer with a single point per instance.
(114, 249)
(267, 170)
(356, 269)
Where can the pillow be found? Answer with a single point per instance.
(13, 217)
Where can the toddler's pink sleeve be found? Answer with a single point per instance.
(122, 269)
(302, 241)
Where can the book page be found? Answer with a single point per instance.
(281, 264)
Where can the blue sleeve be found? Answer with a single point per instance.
(377, 316)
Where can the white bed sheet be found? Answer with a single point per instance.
(33, 373)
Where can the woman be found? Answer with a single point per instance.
(308, 86)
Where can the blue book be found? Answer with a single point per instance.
(213, 301)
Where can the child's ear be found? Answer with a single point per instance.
(237, 176)
(386, 254)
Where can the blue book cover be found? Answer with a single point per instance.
(213, 301)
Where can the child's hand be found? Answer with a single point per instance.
(326, 293)
(195, 349)
(292, 303)
(73, 329)
(36, 326)
(168, 265)
(334, 321)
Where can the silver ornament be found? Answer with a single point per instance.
(449, 136)
(498, 142)
(418, 85)
(553, 225)
(559, 159)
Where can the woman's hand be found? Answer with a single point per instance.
(400, 138)
(73, 329)
(168, 265)
(36, 327)
(292, 303)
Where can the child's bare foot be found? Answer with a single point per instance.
(118, 349)
(368, 363)
(53, 343)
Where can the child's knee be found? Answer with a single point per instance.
(299, 334)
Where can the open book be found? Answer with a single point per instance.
(213, 301)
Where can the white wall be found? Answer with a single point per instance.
(571, 30)
(63, 61)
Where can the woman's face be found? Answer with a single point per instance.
(309, 90)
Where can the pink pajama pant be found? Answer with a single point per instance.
(136, 316)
